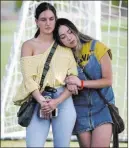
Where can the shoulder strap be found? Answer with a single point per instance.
(46, 65)
(93, 43)
(98, 90)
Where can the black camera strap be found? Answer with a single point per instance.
(47, 63)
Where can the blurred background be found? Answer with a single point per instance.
(9, 18)
(113, 33)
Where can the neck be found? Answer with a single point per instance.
(46, 37)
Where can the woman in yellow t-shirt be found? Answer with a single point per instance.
(94, 123)
(33, 56)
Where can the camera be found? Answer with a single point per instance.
(50, 89)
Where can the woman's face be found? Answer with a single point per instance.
(46, 22)
(67, 37)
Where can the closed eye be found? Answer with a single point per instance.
(62, 36)
(43, 19)
(52, 18)
(69, 31)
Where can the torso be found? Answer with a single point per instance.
(92, 67)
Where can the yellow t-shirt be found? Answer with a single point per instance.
(62, 64)
(99, 52)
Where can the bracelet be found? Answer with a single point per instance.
(82, 84)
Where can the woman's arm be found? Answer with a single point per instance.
(105, 81)
(27, 50)
(38, 97)
(106, 74)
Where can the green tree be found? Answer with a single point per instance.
(116, 3)
(125, 3)
(18, 5)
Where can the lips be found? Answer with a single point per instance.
(72, 42)
(48, 28)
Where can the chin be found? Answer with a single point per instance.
(72, 46)
(49, 32)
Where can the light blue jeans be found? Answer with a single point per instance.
(62, 125)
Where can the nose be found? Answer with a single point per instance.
(68, 37)
(48, 22)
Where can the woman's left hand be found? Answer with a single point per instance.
(73, 80)
(53, 104)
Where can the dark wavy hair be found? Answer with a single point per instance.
(69, 24)
(43, 7)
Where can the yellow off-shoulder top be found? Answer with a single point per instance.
(62, 64)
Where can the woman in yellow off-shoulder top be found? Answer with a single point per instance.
(34, 54)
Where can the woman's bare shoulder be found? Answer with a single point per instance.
(27, 48)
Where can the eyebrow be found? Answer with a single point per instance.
(45, 17)
(64, 34)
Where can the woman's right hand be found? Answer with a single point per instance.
(46, 115)
(43, 103)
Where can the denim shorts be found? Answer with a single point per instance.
(86, 121)
(91, 113)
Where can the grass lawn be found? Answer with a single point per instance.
(21, 143)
